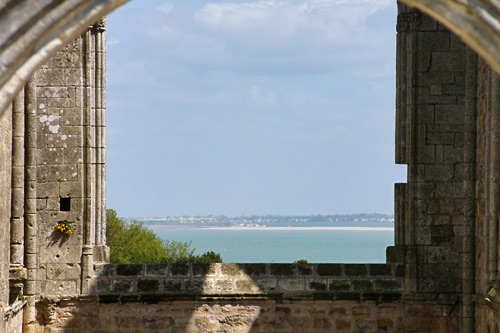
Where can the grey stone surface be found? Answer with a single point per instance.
(446, 250)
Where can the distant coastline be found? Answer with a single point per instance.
(153, 227)
(271, 222)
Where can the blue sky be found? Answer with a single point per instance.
(251, 107)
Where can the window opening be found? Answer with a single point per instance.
(65, 204)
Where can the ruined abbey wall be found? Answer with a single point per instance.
(441, 275)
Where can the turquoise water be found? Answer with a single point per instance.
(286, 246)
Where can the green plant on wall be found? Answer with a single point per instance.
(63, 227)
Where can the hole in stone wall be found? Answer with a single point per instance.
(65, 204)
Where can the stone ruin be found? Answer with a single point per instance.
(441, 275)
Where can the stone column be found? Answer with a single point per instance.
(17, 214)
(30, 213)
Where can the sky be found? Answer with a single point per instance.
(281, 107)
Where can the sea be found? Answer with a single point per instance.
(348, 242)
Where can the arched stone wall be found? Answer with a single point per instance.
(476, 22)
(31, 31)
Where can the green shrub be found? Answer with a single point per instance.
(300, 261)
(137, 244)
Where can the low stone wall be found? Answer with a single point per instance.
(250, 298)
(136, 282)
(234, 298)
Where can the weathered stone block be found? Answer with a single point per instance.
(67, 287)
(292, 284)
(230, 269)
(246, 286)
(63, 271)
(156, 269)
(355, 269)
(305, 269)
(129, 269)
(73, 156)
(329, 269)
(449, 114)
(267, 284)
(123, 286)
(428, 78)
(444, 254)
(148, 285)
(179, 269)
(442, 172)
(172, 285)
(382, 285)
(203, 269)
(426, 153)
(362, 285)
(441, 233)
(437, 41)
(380, 269)
(71, 189)
(317, 285)
(223, 286)
(103, 286)
(448, 61)
(255, 269)
(194, 285)
(283, 269)
(339, 285)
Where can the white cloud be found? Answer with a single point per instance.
(264, 98)
(166, 8)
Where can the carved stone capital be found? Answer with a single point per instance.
(408, 22)
(99, 26)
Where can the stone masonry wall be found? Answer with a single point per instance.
(5, 193)
(237, 298)
(487, 201)
(249, 298)
(57, 167)
(431, 72)
(330, 281)
(67, 164)
(442, 273)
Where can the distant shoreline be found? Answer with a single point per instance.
(153, 227)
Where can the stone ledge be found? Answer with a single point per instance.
(347, 281)
(254, 270)
(156, 298)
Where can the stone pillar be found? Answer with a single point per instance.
(5, 197)
(409, 21)
(30, 195)
(95, 249)
(468, 240)
(17, 209)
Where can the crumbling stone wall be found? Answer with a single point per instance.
(442, 274)
(57, 130)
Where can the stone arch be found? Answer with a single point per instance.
(32, 31)
(476, 22)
